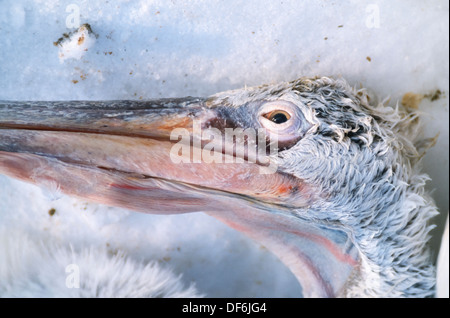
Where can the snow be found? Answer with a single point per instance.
(151, 49)
(76, 44)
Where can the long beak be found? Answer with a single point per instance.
(111, 152)
(148, 156)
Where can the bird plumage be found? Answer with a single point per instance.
(366, 157)
(37, 267)
(360, 163)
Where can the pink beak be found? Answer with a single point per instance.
(121, 153)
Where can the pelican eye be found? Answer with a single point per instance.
(278, 116)
(283, 121)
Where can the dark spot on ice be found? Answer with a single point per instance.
(434, 95)
(51, 212)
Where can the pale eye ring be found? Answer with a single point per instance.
(282, 120)
(278, 116)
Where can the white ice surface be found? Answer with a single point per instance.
(151, 49)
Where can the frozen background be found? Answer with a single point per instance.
(152, 49)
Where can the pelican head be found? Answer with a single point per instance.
(325, 180)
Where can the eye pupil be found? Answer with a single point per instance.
(279, 118)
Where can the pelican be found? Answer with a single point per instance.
(339, 198)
